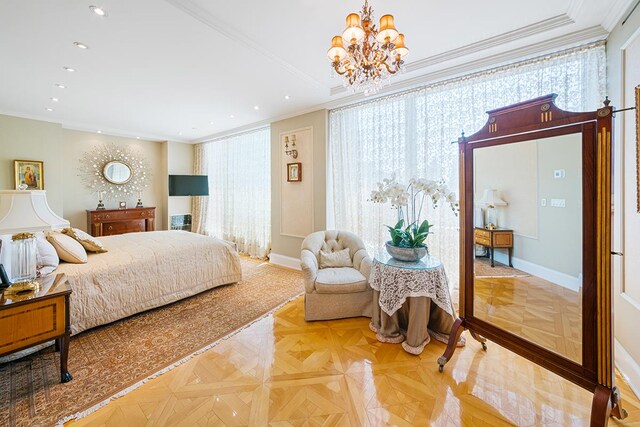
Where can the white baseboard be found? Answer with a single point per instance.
(285, 261)
(556, 277)
(628, 367)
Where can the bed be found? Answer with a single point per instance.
(146, 270)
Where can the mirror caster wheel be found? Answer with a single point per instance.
(441, 362)
(440, 368)
(484, 346)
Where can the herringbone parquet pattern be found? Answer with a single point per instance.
(282, 371)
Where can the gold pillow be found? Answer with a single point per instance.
(87, 241)
(67, 248)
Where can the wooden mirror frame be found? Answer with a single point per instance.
(536, 119)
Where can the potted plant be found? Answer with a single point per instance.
(409, 234)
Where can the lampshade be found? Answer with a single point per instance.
(27, 211)
(387, 29)
(337, 49)
(400, 49)
(491, 198)
(354, 29)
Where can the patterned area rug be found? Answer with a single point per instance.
(109, 359)
(483, 269)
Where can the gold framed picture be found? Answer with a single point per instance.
(294, 172)
(29, 172)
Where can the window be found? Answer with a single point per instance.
(239, 202)
(411, 134)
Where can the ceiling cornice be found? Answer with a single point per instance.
(567, 41)
(616, 12)
(501, 39)
(237, 36)
(574, 9)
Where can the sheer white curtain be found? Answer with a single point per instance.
(410, 135)
(239, 202)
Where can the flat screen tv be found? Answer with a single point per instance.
(188, 185)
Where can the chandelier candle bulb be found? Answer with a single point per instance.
(354, 31)
(337, 52)
(388, 32)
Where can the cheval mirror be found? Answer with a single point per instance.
(535, 196)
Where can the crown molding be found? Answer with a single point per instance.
(568, 40)
(615, 13)
(577, 38)
(501, 39)
(237, 36)
(91, 128)
(574, 9)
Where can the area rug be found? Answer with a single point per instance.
(109, 360)
(484, 270)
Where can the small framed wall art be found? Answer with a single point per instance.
(294, 172)
(30, 173)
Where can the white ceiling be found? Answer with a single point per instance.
(178, 69)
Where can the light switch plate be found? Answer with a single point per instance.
(558, 203)
(559, 173)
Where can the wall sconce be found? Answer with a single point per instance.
(293, 152)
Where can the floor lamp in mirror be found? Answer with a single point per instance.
(555, 308)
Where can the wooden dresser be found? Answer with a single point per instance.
(119, 221)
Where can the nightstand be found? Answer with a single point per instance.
(491, 239)
(36, 317)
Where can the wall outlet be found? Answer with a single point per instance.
(559, 173)
(558, 203)
(543, 202)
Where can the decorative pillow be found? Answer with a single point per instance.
(87, 241)
(67, 248)
(335, 259)
(46, 256)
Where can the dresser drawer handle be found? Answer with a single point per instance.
(111, 227)
(107, 216)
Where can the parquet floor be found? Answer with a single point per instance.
(282, 371)
(535, 309)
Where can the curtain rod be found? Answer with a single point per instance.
(476, 74)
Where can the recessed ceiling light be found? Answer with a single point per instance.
(210, 123)
(287, 97)
(137, 137)
(54, 99)
(49, 109)
(231, 116)
(81, 45)
(98, 10)
(180, 133)
(58, 85)
(255, 107)
(99, 131)
(69, 69)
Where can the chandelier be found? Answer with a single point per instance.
(371, 55)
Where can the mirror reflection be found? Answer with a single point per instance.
(117, 172)
(528, 241)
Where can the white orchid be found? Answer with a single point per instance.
(409, 200)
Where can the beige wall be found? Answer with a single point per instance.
(288, 245)
(61, 150)
(24, 139)
(623, 73)
(545, 236)
(78, 198)
(178, 160)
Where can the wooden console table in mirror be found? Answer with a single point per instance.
(555, 306)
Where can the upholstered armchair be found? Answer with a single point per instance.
(335, 292)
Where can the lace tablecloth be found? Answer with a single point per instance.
(397, 281)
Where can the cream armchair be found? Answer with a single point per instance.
(336, 292)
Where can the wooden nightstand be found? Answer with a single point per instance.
(491, 239)
(37, 317)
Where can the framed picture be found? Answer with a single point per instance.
(29, 172)
(294, 172)
(123, 205)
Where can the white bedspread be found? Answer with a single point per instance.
(146, 270)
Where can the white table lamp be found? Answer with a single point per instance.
(491, 199)
(24, 212)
